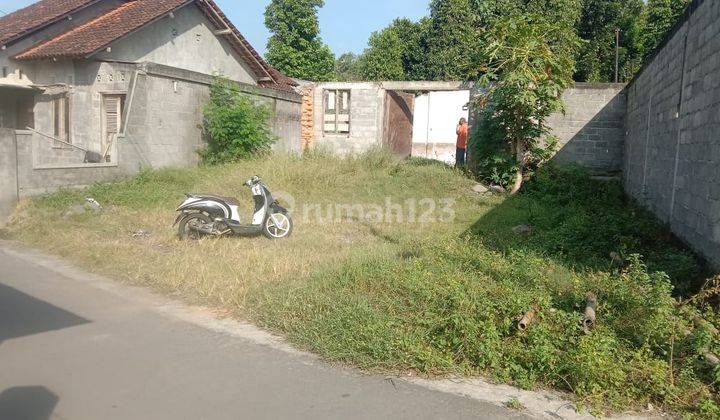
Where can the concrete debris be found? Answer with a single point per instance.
(523, 230)
(617, 259)
(480, 189)
(91, 206)
(590, 313)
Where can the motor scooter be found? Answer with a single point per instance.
(213, 215)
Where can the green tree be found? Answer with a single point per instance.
(396, 52)
(527, 64)
(599, 20)
(659, 18)
(295, 47)
(456, 33)
(347, 68)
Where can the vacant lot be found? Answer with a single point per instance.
(372, 277)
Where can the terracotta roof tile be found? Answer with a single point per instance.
(36, 16)
(98, 33)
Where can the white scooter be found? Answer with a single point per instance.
(213, 215)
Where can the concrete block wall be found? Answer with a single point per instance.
(591, 131)
(367, 105)
(34, 180)
(8, 173)
(672, 150)
(162, 121)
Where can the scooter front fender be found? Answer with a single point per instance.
(277, 208)
(179, 218)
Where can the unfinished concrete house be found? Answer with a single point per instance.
(409, 118)
(419, 118)
(95, 89)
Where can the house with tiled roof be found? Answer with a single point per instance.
(94, 89)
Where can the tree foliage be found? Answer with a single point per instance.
(456, 28)
(599, 20)
(445, 45)
(659, 17)
(527, 64)
(236, 127)
(347, 68)
(398, 52)
(295, 47)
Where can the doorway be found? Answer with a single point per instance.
(399, 116)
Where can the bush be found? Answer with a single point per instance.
(493, 161)
(236, 128)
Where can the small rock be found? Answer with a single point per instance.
(91, 206)
(524, 230)
(141, 234)
(498, 189)
(480, 189)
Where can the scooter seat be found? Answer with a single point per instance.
(229, 200)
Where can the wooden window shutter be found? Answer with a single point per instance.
(112, 114)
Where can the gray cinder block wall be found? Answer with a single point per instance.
(163, 116)
(672, 149)
(8, 174)
(591, 131)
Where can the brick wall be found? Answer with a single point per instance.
(307, 122)
(672, 150)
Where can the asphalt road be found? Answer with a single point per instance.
(75, 349)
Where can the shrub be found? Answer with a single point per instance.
(236, 128)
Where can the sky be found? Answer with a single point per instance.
(346, 24)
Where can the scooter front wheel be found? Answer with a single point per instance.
(278, 226)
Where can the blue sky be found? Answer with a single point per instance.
(346, 24)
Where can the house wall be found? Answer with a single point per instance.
(184, 41)
(672, 150)
(163, 126)
(366, 118)
(8, 174)
(591, 131)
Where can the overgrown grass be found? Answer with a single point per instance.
(437, 298)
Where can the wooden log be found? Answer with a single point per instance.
(710, 357)
(590, 313)
(700, 322)
(526, 320)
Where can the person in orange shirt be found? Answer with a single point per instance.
(462, 141)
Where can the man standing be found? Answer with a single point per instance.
(462, 141)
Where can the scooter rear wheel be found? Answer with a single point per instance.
(278, 226)
(185, 229)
